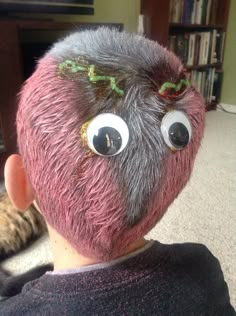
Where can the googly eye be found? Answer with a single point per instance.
(176, 130)
(107, 134)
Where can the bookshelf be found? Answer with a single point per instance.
(195, 30)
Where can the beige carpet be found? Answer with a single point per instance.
(205, 211)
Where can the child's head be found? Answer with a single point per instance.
(104, 183)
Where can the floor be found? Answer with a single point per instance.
(204, 212)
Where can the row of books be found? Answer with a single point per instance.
(208, 83)
(198, 48)
(194, 11)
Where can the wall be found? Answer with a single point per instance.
(108, 11)
(229, 83)
(120, 11)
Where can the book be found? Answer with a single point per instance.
(203, 83)
(185, 50)
(208, 84)
(192, 38)
(172, 42)
(217, 84)
(201, 50)
(188, 9)
(208, 11)
(194, 12)
(210, 47)
(199, 81)
(181, 10)
(184, 9)
(213, 58)
(220, 38)
(207, 36)
(171, 11)
(218, 46)
(175, 11)
(192, 77)
(199, 11)
(179, 50)
(197, 49)
(213, 14)
(211, 83)
(204, 11)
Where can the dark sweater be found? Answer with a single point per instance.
(169, 280)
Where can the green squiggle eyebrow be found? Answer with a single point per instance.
(176, 87)
(94, 78)
(74, 67)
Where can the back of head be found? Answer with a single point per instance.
(108, 128)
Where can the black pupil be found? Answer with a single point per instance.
(179, 135)
(107, 141)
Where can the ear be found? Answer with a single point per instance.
(18, 187)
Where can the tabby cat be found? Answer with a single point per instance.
(17, 228)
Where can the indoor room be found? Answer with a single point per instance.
(118, 146)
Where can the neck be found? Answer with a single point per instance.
(66, 257)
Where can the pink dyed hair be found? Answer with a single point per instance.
(79, 195)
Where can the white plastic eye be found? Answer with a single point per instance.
(176, 130)
(107, 134)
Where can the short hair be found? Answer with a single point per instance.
(101, 205)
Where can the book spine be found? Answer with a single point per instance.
(217, 86)
(191, 50)
(185, 4)
(208, 11)
(213, 12)
(186, 44)
(203, 83)
(195, 78)
(199, 11)
(188, 9)
(179, 11)
(206, 47)
(218, 46)
(180, 46)
(212, 83)
(208, 85)
(193, 15)
(210, 48)
(182, 10)
(200, 81)
(201, 51)
(197, 49)
(213, 48)
(204, 11)
(172, 43)
(174, 13)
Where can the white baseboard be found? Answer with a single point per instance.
(227, 107)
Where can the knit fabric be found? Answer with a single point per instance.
(169, 280)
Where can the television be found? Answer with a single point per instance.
(78, 7)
